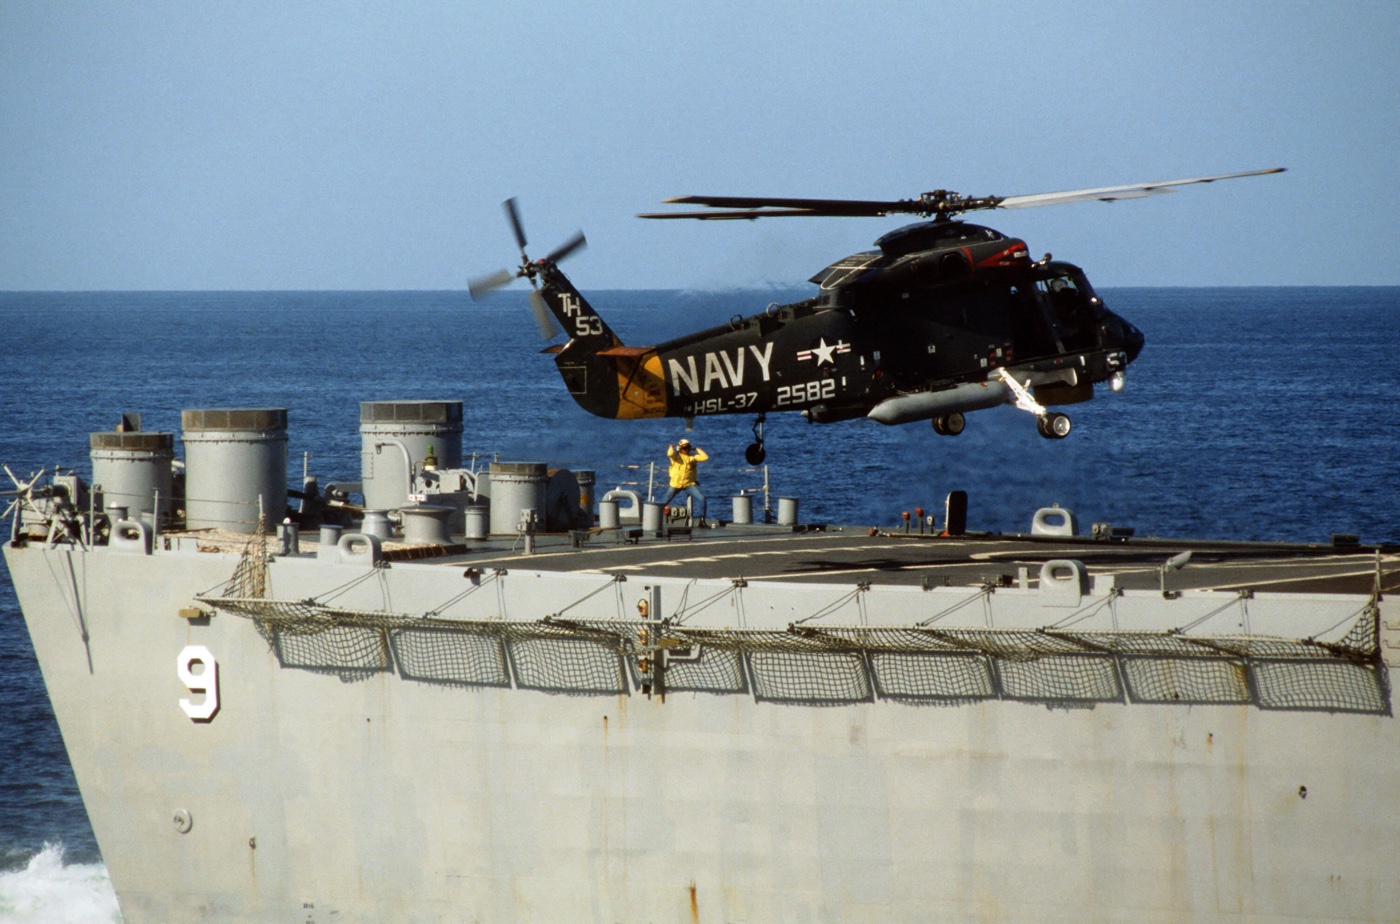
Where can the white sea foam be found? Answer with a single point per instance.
(49, 891)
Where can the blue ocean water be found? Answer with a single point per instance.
(1258, 413)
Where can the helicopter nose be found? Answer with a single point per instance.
(1126, 336)
(1133, 341)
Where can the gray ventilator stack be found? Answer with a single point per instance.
(426, 524)
(516, 486)
(395, 439)
(132, 469)
(235, 463)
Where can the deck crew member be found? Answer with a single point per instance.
(685, 476)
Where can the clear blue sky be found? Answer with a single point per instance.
(369, 145)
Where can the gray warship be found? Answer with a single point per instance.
(498, 692)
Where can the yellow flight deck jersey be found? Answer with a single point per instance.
(683, 466)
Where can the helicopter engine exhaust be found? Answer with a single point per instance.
(926, 405)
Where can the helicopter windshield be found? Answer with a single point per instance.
(1069, 304)
(847, 269)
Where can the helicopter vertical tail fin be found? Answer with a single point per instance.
(603, 376)
(584, 327)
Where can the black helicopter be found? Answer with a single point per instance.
(944, 318)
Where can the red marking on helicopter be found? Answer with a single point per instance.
(1014, 255)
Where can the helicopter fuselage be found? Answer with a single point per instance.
(945, 317)
(915, 330)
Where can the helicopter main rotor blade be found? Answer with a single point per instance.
(482, 285)
(751, 214)
(513, 213)
(544, 320)
(938, 202)
(1112, 193)
(750, 207)
(802, 206)
(566, 248)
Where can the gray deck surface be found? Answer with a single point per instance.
(852, 555)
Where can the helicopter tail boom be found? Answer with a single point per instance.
(604, 377)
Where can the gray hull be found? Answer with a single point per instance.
(332, 788)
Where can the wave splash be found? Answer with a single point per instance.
(48, 891)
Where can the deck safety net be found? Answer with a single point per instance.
(830, 665)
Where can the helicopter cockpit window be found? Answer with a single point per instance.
(1070, 311)
(847, 269)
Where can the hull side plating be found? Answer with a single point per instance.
(324, 794)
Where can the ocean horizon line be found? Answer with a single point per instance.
(773, 287)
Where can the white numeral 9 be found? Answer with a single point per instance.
(206, 682)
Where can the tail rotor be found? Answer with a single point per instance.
(482, 285)
(544, 320)
(528, 269)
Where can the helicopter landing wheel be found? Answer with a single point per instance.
(1054, 426)
(951, 425)
(755, 454)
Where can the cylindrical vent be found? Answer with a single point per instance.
(376, 523)
(235, 459)
(130, 469)
(787, 511)
(329, 549)
(426, 524)
(478, 521)
(516, 486)
(395, 439)
(651, 517)
(608, 517)
(743, 510)
(288, 539)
